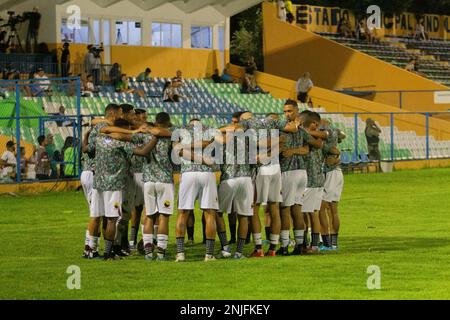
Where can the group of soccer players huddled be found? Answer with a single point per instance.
(128, 179)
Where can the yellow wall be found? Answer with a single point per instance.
(164, 62)
(290, 51)
(336, 102)
(29, 148)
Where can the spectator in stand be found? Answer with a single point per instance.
(344, 28)
(124, 87)
(145, 76)
(216, 77)
(62, 114)
(42, 80)
(50, 147)
(178, 81)
(170, 93)
(8, 161)
(88, 89)
(115, 74)
(363, 32)
(89, 59)
(372, 133)
(281, 10)
(36, 90)
(304, 85)
(43, 161)
(413, 66)
(65, 60)
(419, 33)
(226, 77)
(289, 11)
(70, 157)
(250, 87)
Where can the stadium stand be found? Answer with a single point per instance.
(433, 56)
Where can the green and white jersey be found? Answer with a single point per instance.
(137, 162)
(191, 166)
(111, 163)
(158, 167)
(240, 154)
(332, 141)
(293, 141)
(314, 168)
(88, 162)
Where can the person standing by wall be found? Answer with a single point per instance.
(373, 139)
(65, 60)
(304, 85)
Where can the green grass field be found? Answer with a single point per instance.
(398, 221)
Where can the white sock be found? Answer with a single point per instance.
(148, 239)
(86, 239)
(96, 242)
(93, 243)
(275, 239)
(257, 238)
(142, 229)
(163, 239)
(284, 238)
(299, 235)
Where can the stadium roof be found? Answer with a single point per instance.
(225, 7)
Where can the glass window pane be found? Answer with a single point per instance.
(156, 34)
(96, 31)
(74, 35)
(121, 33)
(176, 36)
(166, 35)
(201, 37)
(134, 29)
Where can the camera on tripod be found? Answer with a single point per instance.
(97, 50)
(14, 20)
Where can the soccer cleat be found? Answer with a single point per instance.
(238, 256)
(132, 247)
(209, 257)
(271, 253)
(313, 250)
(225, 252)
(297, 251)
(86, 251)
(257, 254)
(111, 256)
(283, 251)
(149, 257)
(180, 257)
(161, 257)
(118, 251)
(94, 255)
(325, 248)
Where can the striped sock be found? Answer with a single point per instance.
(334, 239)
(298, 235)
(210, 246)
(180, 245)
(223, 239)
(326, 240)
(108, 247)
(315, 239)
(240, 245)
(258, 240)
(133, 234)
(284, 238)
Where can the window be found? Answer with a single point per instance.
(128, 33)
(201, 37)
(106, 33)
(166, 35)
(73, 35)
(96, 27)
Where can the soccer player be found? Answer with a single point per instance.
(294, 180)
(110, 181)
(268, 180)
(137, 167)
(312, 197)
(159, 192)
(236, 191)
(198, 181)
(334, 183)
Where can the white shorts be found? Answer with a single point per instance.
(312, 200)
(334, 184)
(87, 183)
(236, 194)
(201, 186)
(139, 191)
(268, 184)
(159, 198)
(293, 184)
(106, 204)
